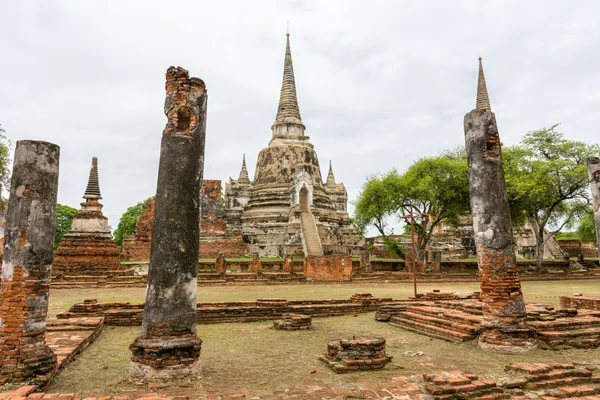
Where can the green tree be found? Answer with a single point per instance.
(64, 219)
(5, 162)
(586, 227)
(128, 222)
(436, 187)
(545, 175)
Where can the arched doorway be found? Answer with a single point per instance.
(304, 200)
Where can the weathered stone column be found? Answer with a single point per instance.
(28, 252)
(593, 165)
(504, 314)
(169, 346)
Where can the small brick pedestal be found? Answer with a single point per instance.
(293, 322)
(360, 353)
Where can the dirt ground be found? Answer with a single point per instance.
(256, 359)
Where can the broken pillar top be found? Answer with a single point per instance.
(181, 103)
(483, 100)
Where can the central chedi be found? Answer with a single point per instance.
(288, 208)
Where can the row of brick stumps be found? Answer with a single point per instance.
(169, 347)
(26, 266)
(504, 314)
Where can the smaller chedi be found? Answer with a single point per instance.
(88, 248)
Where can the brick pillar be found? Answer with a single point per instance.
(26, 267)
(436, 261)
(255, 265)
(288, 263)
(168, 346)
(593, 165)
(504, 315)
(220, 264)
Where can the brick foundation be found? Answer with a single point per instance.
(293, 322)
(127, 314)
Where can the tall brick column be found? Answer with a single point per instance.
(593, 165)
(168, 346)
(28, 252)
(504, 314)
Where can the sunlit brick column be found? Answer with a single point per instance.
(593, 165)
(26, 265)
(504, 314)
(169, 346)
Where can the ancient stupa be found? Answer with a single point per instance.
(288, 208)
(88, 248)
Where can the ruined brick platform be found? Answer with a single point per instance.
(460, 320)
(358, 353)
(293, 322)
(69, 337)
(462, 385)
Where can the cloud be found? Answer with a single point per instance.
(380, 83)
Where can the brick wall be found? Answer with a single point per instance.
(336, 267)
(580, 302)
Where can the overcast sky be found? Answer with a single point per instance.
(380, 83)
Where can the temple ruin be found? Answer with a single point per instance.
(504, 314)
(26, 265)
(287, 208)
(88, 248)
(168, 346)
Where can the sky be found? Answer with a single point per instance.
(380, 83)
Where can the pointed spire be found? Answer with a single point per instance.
(288, 111)
(244, 172)
(92, 191)
(330, 177)
(483, 100)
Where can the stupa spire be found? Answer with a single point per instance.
(92, 191)
(330, 177)
(288, 112)
(244, 172)
(483, 100)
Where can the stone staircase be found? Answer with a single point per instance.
(310, 234)
(580, 331)
(438, 321)
(552, 247)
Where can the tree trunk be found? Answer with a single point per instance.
(539, 249)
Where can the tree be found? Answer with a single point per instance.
(128, 221)
(5, 162)
(545, 175)
(64, 219)
(436, 187)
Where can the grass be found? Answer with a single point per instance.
(253, 358)
(256, 359)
